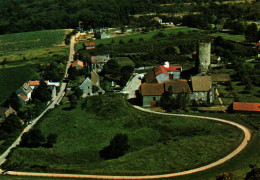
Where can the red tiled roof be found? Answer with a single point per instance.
(87, 44)
(178, 86)
(23, 96)
(174, 68)
(155, 89)
(78, 62)
(242, 106)
(34, 83)
(159, 70)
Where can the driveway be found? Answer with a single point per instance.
(132, 86)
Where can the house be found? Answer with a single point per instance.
(89, 89)
(161, 74)
(215, 59)
(78, 64)
(24, 93)
(51, 85)
(202, 89)
(178, 87)
(97, 62)
(220, 78)
(101, 34)
(246, 107)
(151, 93)
(5, 112)
(89, 45)
(159, 20)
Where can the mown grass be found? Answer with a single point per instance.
(125, 61)
(232, 37)
(29, 40)
(159, 144)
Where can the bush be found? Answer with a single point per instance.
(118, 147)
(186, 109)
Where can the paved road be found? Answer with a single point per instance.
(51, 106)
(247, 137)
(132, 86)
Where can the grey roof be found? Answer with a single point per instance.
(100, 59)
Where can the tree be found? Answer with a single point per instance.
(118, 147)
(13, 101)
(78, 92)
(41, 93)
(73, 100)
(73, 72)
(111, 67)
(51, 139)
(121, 41)
(254, 174)
(11, 124)
(167, 101)
(32, 139)
(251, 33)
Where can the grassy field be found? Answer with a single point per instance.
(124, 61)
(231, 37)
(23, 52)
(159, 144)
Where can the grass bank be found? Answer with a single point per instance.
(159, 144)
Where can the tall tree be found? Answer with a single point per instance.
(251, 33)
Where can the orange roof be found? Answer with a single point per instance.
(153, 89)
(194, 52)
(159, 70)
(242, 106)
(87, 44)
(174, 68)
(78, 62)
(34, 83)
(23, 96)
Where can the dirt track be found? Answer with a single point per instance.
(247, 136)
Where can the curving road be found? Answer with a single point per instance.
(245, 141)
(51, 106)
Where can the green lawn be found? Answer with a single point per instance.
(232, 37)
(159, 144)
(124, 61)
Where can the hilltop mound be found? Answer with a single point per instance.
(107, 105)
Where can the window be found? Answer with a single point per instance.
(154, 98)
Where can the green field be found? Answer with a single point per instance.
(124, 61)
(22, 52)
(232, 37)
(159, 144)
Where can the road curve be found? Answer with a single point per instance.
(247, 137)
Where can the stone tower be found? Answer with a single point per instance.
(203, 57)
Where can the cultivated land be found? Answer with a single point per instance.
(22, 52)
(159, 144)
(136, 35)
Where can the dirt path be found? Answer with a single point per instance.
(220, 161)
